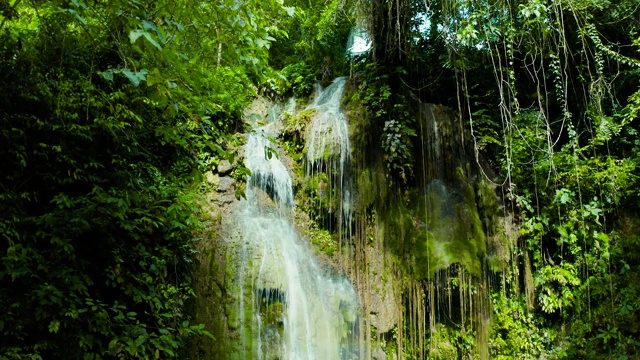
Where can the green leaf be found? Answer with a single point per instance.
(290, 10)
(135, 77)
(149, 25)
(135, 34)
(54, 326)
(215, 148)
(262, 43)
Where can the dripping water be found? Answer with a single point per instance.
(329, 150)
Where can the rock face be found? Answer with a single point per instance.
(223, 196)
(379, 354)
(382, 304)
(441, 223)
(224, 167)
(226, 184)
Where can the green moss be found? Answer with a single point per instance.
(323, 240)
(242, 337)
(249, 343)
(427, 259)
(303, 101)
(443, 343)
(295, 124)
(349, 315)
(439, 227)
(318, 195)
(272, 314)
(372, 188)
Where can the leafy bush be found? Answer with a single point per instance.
(109, 117)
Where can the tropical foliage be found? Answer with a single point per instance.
(110, 113)
(548, 92)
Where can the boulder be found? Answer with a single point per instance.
(224, 167)
(226, 184)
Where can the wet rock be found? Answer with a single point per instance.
(224, 199)
(224, 167)
(216, 291)
(232, 316)
(226, 183)
(273, 342)
(379, 354)
(257, 111)
(383, 307)
(212, 178)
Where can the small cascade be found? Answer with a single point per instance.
(288, 306)
(329, 135)
(267, 173)
(359, 42)
(441, 143)
(329, 153)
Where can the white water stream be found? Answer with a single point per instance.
(329, 149)
(289, 307)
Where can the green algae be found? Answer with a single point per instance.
(440, 227)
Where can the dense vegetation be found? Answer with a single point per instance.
(111, 111)
(548, 94)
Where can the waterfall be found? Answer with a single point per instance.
(282, 302)
(359, 41)
(288, 306)
(329, 151)
(329, 132)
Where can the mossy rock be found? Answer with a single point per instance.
(439, 227)
(295, 124)
(442, 344)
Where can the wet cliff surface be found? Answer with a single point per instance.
(323, 257)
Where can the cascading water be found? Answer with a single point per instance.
(280, 303)
(329, 149)
(289, 307)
